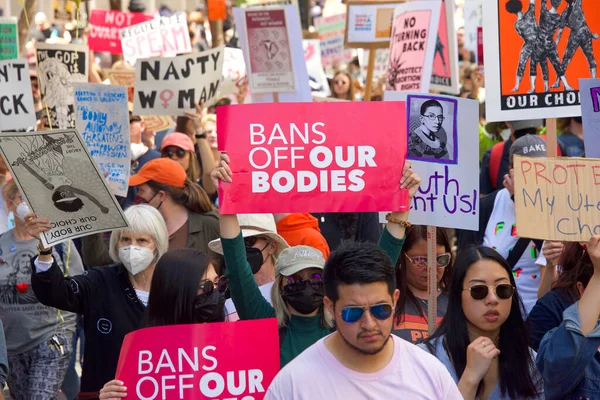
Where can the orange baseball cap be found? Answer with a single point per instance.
(160, 170)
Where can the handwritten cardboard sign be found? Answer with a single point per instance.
(105, 26)
(331, 34)
(9, 38)
(164, 36)
(317, 79)
(59, 65)
(590, 115)
(16, 101)
(369, 23)
(557, 198)
(412, 46)
(207, 361)
(314, 157)
(170, 86)
(103, 121)
(157, 123)
(473, 13)
(234, 72)
(60, 181)
(449, 192)
(382, 60)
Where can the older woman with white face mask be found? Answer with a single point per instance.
(111, 299)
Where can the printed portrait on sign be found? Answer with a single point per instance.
(432, 129)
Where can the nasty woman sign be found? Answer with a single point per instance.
(207, 361)
(313, 157)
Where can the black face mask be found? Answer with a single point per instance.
(304, 301)
(209, 308)
(255, 258)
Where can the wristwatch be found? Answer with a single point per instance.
(42, 251)
(201, 136)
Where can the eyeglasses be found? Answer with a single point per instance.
(433, 117)
(341, 83)
(503, 291)
(208, 287)
(442, 261)
(295, 283)
(180, 153)
(379, 311)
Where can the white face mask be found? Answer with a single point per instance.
(136, 259)
(505, 134)
(22, 210)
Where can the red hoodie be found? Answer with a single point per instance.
(303, 229)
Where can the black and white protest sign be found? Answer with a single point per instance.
(170, 86)
(16, 101)
(60, 181)
(59, 65)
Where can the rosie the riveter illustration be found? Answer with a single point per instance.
(43, 157)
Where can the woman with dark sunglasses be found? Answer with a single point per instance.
(180, 148)
(343, 86)
(483, 340)
(410, 318)
(186, 289)
(297, 295)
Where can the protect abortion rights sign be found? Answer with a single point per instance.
(16, 101)
(170, 86)
(218, 361)
(164, 36)
(412, 46)
(105, 26)
(313, 157)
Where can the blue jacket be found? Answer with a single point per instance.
(570, 362)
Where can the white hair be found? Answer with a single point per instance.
(143, 220)
(40, 18)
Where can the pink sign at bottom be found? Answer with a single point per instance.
(228, 360)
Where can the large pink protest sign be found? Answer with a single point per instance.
(164, 36)
(105, 26)
(313, 157)
(201, 361)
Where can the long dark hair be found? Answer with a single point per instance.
(413, 235)
(515, 362)
(175, 286)
(573, 253)
(191, 196)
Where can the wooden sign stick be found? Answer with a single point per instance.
(370, 68)
(432, 285)
(275, 97)
(551, 139)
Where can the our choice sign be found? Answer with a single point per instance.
(105, 26)
(313, 157)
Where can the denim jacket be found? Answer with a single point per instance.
(570, 362)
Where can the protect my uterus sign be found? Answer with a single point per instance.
(313, 157)
(219, 361)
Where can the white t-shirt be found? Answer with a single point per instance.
(231, 312)
(500, 235)
(411, 374)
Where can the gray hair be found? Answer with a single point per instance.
(146, 220)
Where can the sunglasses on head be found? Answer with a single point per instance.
(379, 311)
(180, 153)
(296, 283)
(504, 291)
(442, 261)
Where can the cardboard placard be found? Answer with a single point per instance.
(473, 14)
(121, 77)
(382, 60)
(103, 121)
(331, 34)
(60, 181)
(412, 46)
(317, 79)
(9, 38)
(369, 23)
(590, 114)
(59, 66)
(17, 111)
(171, 86)
(105, 26)
(157, 123)
(513, 91)
(313, 157)
(163, 36)
(557, 198)
(445, 61)
(300, 5)
(214, 360)
(234, 72)
(449, 192)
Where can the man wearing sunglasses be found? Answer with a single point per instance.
(362, 359)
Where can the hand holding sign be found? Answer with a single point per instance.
(113, 390)
(36, 226)
(593, 249)
(410, 180)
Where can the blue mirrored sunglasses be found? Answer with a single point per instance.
(379, 311)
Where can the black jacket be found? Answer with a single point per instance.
(110, 307)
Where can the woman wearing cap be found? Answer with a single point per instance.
(180, 148)
(111, 299)
(297, 294)
(187, 210)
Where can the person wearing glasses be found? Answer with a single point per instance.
(343, 87)
(186, 289)
(428, 140)
(297, 294)
(410, 318)
(180, 148)
(362, 359)
(483, 340)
